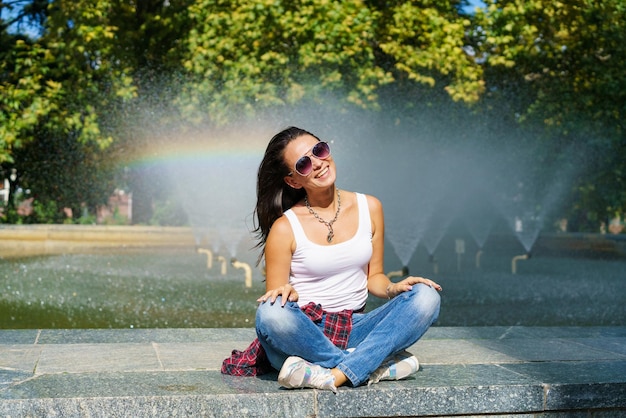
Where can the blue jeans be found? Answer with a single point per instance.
(396, 325)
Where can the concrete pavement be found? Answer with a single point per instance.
(470, 371)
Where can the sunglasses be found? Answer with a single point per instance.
(304, 165)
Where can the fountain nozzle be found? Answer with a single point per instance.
(479, 253)
(209, 254)
(246, 268)
(399, 273)
(516, 259)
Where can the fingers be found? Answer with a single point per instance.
(271, 295)
(285, 296)
(435, 286)
(394, 289)
(427, 282)
(287, 292)
(430, 283)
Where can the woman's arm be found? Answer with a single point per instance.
(279, 248)
(377, 281)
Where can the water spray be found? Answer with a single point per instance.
(516, 259)
(209, 257)
(433, 260)
(246, 268)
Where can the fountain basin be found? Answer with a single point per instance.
(110, 283)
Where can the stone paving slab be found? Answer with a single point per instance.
(165, 372)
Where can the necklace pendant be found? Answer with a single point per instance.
(329, 225)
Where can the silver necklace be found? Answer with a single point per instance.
(328, 224)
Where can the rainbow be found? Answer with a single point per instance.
(196, 150)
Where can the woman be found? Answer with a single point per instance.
(323, 250)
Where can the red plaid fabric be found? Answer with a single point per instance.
(250, 362)
(253, 360)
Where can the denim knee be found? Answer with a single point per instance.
(426, 301)
(272, 318)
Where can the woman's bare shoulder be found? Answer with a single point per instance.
(373, 203)
(281, 227)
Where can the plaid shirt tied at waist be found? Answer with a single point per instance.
(253, 361)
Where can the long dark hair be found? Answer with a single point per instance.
(274, 196)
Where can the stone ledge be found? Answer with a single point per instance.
(207, 393)
(522, 371)
(25, 240)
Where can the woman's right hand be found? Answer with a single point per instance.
(287, 292)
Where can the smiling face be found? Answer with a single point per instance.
(323, 170)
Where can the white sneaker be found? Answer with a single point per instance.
(299, 373)
(397, 367)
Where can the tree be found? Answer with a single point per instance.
(110, 76)
(245, 55)
(70, 88)
(560, 66)
(56, 82)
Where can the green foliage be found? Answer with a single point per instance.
(104, 75)
(570, 54)
(60, 95)
(60, 82)
(558, 69)
(28, 210)
(426, 40)
(245, 55)
(168, 213)
(60, 168)
(46, 212)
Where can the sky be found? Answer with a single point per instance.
(473, 4)
(26, 28)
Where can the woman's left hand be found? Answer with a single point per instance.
(405, 285)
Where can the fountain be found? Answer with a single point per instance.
(529, 202)
(439, 223)
(428, 180)
(479, 217)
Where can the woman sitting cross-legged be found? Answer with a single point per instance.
(323, 251)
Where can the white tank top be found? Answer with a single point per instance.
(334, 276)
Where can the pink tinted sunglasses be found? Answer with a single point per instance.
(304, 165)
